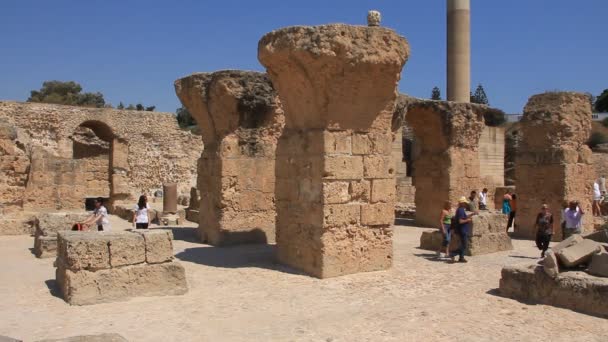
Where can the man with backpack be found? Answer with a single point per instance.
(462, 221)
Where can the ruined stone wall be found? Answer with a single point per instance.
(147, 149)
(14, 169)
(447, 167)
(492, 160)
(553, 164)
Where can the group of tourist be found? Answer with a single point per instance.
(459, 223)
(571, 223)
(99, 219)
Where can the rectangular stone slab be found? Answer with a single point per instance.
(599, 264)
(118, 284)
(576, 291)
(578, 254)
(159, 246)
(82, 251)
(571, 241)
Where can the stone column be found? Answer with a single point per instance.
(448, 165)
(553, 164)
(459, 50)
(241, 119)
(335, 179)
(170, 198)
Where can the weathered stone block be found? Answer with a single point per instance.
(83, 251)
(599, 264)
(550, 264)
(571, 241)
(580, 253)
(383, 190)
(343, 167)
(599, 236)
(379, 214)
(125, 248)
(45, 246)
(336, 192)
(159, 246)
(84, 287)
(378, 166)
(571, 290)
(337, 215)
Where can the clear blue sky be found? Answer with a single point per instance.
(132, 51)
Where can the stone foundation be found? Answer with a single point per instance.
(573, 290)
(335, 178)
(488, 235)
(47, 226)
(107, 267)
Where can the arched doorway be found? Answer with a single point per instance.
(92, 146)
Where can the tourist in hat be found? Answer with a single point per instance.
(573, 217)
(464, 228)
(141, 218)
(100, 217)
(445, 222)
(544, 229)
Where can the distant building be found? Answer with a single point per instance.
(594, 117)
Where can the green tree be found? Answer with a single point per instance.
(120, 106)
(130, 107)
(436, 94)
(68, 93)
(139, 107)
(494, 117)
(150, 108)
(601, 103)
(184, 118)
(480, 96)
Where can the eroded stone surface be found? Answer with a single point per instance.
(571, 290)
(90, 338)
(447, 167)
(241, 119)
(553, 164)
(335, 186)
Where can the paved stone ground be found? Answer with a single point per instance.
(240, 294)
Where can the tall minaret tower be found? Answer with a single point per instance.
(459, 50)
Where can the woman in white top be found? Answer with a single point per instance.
(141, 219)
(99, 218)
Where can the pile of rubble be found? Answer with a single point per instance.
(577, 252)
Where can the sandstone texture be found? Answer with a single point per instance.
(579, 253)
(447, 167)
(106, 267)
(241, 119)
(553, 164)
(47, 226)
(335, 177)
(599, 263)
(571, 290)
(487, 236)
(193, 210)
(90, 338)
(55, 156)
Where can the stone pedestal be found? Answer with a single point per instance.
(335, 185)
(448, 165)
(241, 119)
(553, 164)
(169, 198)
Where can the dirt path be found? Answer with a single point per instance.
(240, 294)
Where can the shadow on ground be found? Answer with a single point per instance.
(244, 256)
(188, 234)
(53, 287)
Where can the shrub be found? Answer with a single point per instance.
(494, 117)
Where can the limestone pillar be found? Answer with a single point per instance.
(170, 198)
(448, 165)
(335, 185)
(241, 119)
(553, 164)
(459, 50)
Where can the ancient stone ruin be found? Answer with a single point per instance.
(106, 267)
(553, 164)
(241, 119)
(487, 235)
(57, 157)
(335, 187)
(560, 279)
(48, 225)
(447, 167)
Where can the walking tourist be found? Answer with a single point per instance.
(463, 229)
(483, 199)
(141, 218)
(544, 229)
(603, 184)
(445, 223)
(99, 218)
(513, 211)
(573, 216)
(597, 196)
